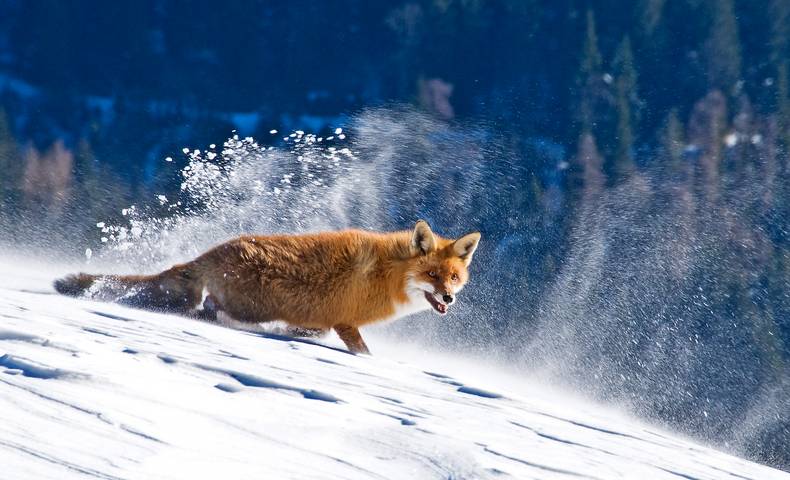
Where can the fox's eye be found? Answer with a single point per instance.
(432, 274)
(454, 277)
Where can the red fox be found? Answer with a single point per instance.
(315, 282)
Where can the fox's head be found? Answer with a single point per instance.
(439, 269)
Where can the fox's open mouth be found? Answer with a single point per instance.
(436, 304)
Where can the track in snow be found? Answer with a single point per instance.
(92, 390)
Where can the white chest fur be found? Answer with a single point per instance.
(416, 301)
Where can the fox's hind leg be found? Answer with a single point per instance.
(211, 308)
(294, 331)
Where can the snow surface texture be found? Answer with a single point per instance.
(93, 390)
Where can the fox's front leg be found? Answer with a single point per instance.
(351, 337)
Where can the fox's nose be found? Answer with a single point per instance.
(448, 299)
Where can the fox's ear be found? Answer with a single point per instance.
(422, 240)
(465, 246)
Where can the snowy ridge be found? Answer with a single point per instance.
(92, 390)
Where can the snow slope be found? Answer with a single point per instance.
(92, 390)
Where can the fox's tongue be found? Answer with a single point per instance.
(437, 305)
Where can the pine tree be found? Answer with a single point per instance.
(9, 164)
(89, 184)
(626, 103)
(779, 17)
(592, 61)
(783, 104)
(589, 81)
(722, 47)
(672, 142)
(650, 13)
(590, 162)
(90, 196)
(706, 127)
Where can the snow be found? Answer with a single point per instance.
(94, 390)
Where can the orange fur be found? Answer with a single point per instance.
(333, 280)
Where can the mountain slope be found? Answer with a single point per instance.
(92, 390)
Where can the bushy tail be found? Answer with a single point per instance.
(175, 290)
(74, 285)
